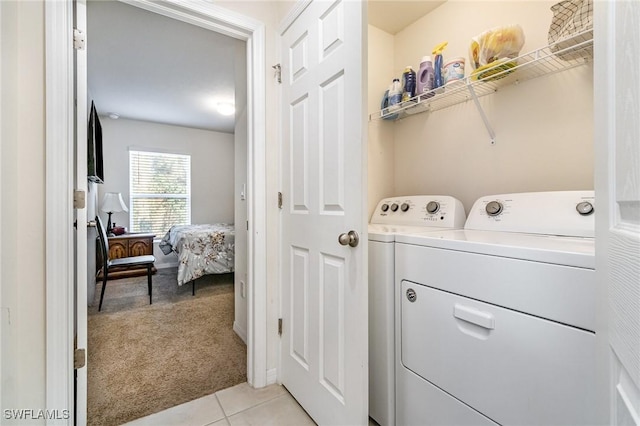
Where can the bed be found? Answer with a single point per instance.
(201, 249)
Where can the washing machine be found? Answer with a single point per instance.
(393, 215)
(495, 323)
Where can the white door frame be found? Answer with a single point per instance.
(59, 184)
(1, 308)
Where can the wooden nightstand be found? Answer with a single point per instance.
(126, 245)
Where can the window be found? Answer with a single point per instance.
(160, 191)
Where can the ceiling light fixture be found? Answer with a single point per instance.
(113, 116)
(226, 108)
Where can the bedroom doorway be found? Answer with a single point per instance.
(60, 335)
(158, 137)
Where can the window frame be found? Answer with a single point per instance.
(133, 195)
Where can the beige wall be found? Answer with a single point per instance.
(381, 145)
(543, 127)
(23, 206)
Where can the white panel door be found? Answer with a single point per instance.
(324, 287)
(80, 183)
(617, 99)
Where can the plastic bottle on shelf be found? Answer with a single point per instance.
(425, 78)
(408, 83)
(437, 66)
(395, 95)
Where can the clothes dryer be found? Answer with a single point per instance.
(495, 323)
(392, 215)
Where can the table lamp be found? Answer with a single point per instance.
(112, 203)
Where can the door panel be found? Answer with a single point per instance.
(299, 155)
(299, 307)
(617, 138)
(332, 145)
(324, 292)
(332, 327)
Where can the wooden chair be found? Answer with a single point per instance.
(146, 260)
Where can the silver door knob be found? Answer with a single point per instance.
(90, 224)
(349, 239)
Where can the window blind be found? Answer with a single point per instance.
(160, 191)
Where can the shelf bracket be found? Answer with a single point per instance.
(492, 134)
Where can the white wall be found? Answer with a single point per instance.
(23, 213)
(240, 195)
(92, 235)
(543, 127)
(212, 168)
(269, 12)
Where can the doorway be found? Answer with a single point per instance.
(158, 95)
(60, 304)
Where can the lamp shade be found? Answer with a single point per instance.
(112, 203)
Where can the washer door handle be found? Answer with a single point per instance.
(349, 239)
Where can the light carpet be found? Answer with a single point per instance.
(146, 358)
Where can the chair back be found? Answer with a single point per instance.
(104, 242)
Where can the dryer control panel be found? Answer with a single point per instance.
(568, 213)
(420, 210)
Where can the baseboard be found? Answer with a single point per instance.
(240, 331)
(272, 376)
(165, 265)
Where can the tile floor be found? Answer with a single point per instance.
(239, 405)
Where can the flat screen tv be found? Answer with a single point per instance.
(95, 170)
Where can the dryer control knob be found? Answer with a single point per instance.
(394, 207)
(585, 208)
(384, 207)
(493, 208)
(433, 207)
(404, 207)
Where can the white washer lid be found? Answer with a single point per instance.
(569, 251)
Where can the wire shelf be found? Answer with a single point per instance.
(559, 56)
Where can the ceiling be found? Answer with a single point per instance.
(394, 15)
(145, 66)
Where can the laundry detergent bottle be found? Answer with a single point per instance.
(408, 83)
(395, 95)
(425, 78)
(437, 66)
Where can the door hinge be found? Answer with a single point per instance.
(79, 39)
(280, 200)
(279, 326)
(79, 358)
(79, 201)
(278, 69)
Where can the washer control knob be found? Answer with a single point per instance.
(404, 207)
(433, 207)
(394, 207)
(585, 208)
(494, 208)
(384, 207)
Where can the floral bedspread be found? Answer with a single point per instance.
(201, 249)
